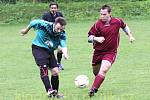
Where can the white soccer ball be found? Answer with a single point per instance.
(81, 81)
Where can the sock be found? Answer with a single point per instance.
(46, 82)
(98, 81)
(45, 78)
(59, 57)
(55, 82)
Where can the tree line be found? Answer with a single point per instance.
(47, 1)
(15, 1)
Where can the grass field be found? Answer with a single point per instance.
(127, 80)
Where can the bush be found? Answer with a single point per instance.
(8, 1)
(74, 11)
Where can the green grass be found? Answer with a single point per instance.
(128, 78)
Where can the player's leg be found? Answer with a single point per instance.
(45, 80)
(41, 59)
(59, 57)
(54, 75)
(99, 78)
(105, 65)
(55, 81)
(96, 69)
(55, 78)
(96, 64)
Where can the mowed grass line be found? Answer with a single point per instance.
(128, 78)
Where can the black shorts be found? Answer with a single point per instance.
(43, 57)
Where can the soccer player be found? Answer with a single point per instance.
(48, 37)
(104, 35)
(50, 16)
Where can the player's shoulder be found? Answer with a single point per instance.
(41, 21)
(47, 13)
(59, 14)
(98, 23)
(117, 19)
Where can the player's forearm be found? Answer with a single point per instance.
(127, 31)
(65, 52)
(92, 39)
(25, 30)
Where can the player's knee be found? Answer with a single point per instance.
(55, 71)
(59, 49)
(103, 72)
(43, 71)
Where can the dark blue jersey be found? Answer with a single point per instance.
(48, 16)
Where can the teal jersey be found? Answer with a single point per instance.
(45, 35)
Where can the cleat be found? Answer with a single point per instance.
(60, 66)
(51, 93)
(92, 92)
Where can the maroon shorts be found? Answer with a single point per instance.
(98, 56)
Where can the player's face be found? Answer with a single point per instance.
(104, 15)
(53, 9)
(58, 28)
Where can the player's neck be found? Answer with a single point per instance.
(107, 23)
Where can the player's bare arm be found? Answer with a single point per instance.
(128, 32)
(65, 53)
(24, 30)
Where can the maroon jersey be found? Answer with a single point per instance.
(110, 32)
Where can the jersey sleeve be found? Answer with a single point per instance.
(93, 30)
(122, 24)
(40, 24)
(44, 16)
(63, 40)
(60, 14)
(35, 23)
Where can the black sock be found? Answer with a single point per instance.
(59, 56)
(45, 78)
(46, 82)
(55, 82)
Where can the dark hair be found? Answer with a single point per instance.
(106, 7)
(53, 3)
(61, 20)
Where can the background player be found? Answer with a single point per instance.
(50, 16)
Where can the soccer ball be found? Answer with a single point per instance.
(81, 81)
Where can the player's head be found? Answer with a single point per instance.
(60, 24)
(53, 7)
(105, 12)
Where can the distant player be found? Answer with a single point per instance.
(104, 35)
(50, 16)
(48, 37)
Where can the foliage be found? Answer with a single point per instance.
(8, 1)
(74, 11)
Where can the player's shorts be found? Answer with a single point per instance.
(43, 57)
(98, 56)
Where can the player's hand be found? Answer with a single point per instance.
(23, 32)
(131, 39)
(65, 56)
(99, 39)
